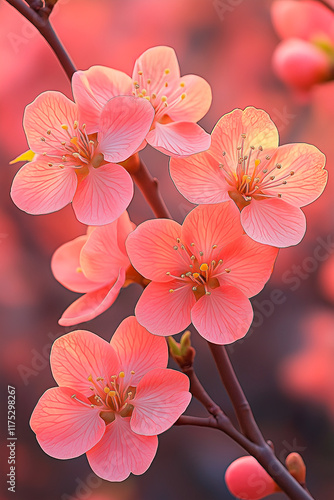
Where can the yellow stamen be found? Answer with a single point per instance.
(121, 374)
(65, 127)
(167, 71)
(257, 162)
(183, 96)
(204, 267)
(78, 270)
(74, 141)
(196, 275)
(227, 270)
(163, 98)
(106, 390)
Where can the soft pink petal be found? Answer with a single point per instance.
(124, 124)
(163, 312)
(224, 316)
(92, 304)
(121, 452)
(226, 135)
(48, 112)
(309, 175)
(151, 249)
(199, 178)
(101, 257)
(138, 350)
(196, 103)
(65, 265)
(79, 354)
(40, 189)
(161, 398)
(124, 228)
(274, 222)
(93, 88)
(250, 265)
(209, 225)
(103, 195)
(179, 138)
(153, 64)
(64, 427)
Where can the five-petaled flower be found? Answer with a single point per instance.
(203, 271)
(75, 165)
(178, 102)
(112, 400)
(268, 183)
(97, 265)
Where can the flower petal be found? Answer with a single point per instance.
(40, 189)
(64, 427)
(121, 451)
(163, 312)
(124, 124)
(274, 222)
(79, 354)
(93, 303)
(151, 249)
(226, 135)
(138, 350)
(199, 179)
(124, 227)
(250, 265)
(161, 397)
(197, 101)
(103, 195)
(65, 265)
(179, 138)
(48, 112)
(211, 225)
(308, 179)
(93, 88)
(152, 65)
(224, 316)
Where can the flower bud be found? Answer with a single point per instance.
(247, 479)
(296, 466)
(183, 353)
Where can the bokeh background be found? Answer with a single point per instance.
(285, 363)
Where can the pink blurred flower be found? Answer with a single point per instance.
(326, 278)
(112, 400)
(203, 271)
(178, 102)
(97, 265)
(305, 56)
(74, 165)
(268, 183)
(247, 479)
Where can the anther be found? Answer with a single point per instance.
(65, 127)
(227, 270)
(196, 275)
(243, 136)
(178, 240)
(183, 275)
(154, 96)
(166, 84)
(167, 71)
(171, 290)
(284, 182)
(168, 273)
(48, 131)
(164, 98)
(183, 96)
(43, 139)
(106, 390)
(194, 288)
(268, 157)
(214, 246)
(201, 254)
(204, 267)
(192, 257)
(292, 172)
(121, 374)
(75, 125)
(265, 171)
(149, 80)
(175, 247)
(140, 72)
(207, 293)
(182, 84)
(272, 177)
(278, 166)
(50, 164)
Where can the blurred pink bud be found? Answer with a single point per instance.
(247, 479)
(300, 64)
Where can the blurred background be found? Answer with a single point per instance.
(285, 363)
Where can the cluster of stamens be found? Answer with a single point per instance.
(110, 395)
(202, 276)
(142, 88)
(254, 176)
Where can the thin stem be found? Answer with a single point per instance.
(40, 19)
(148, 185)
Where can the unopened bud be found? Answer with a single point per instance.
(183, 353)
(296, 466)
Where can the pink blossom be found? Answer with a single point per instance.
(112, 400)
(178, 102)
(97, 265)
(268, 183)
(75, 165)
(203, 271)
(247, 479)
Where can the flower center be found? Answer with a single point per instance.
(200, 273)
(111, 396)
(253, 177)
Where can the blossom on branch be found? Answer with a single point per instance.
(97, 265)
(202, 272)
(112, 400)
(178, 102)
(267, 182)
(74, 165)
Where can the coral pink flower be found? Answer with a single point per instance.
(305, 55)
(97, 265)
(178, 102)
(247, 479)
(268, 183)
(75, 165)
(112, 400)
(203, 271)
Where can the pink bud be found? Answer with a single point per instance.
(300, 64)
(247, 479)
